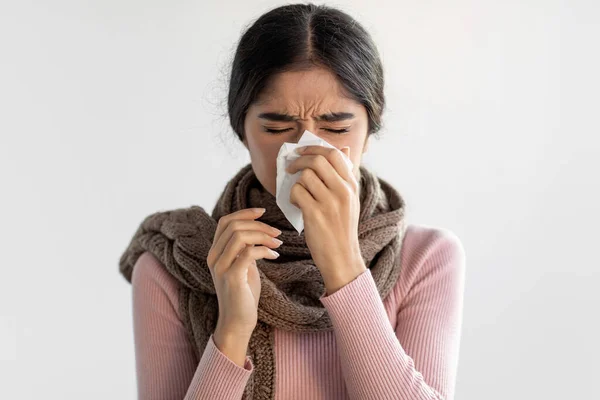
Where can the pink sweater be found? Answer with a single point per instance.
(405, 347)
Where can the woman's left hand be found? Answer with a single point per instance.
(327, 194)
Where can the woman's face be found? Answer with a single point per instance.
(302, 100)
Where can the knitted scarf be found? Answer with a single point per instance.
(290, 285)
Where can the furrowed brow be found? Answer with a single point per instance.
(272, 116)
(330, 117)
(335, 117)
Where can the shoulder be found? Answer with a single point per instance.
(175, 223)
(151, 281)
(428, 254)
(421, 240)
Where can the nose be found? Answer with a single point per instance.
(308, 125)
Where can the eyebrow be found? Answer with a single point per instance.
(330, 117)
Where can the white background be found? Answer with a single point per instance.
(112, 110)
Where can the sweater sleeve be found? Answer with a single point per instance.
(417, 359)
(166, 367)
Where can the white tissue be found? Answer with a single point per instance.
(285, 180)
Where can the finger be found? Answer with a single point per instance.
(336, 159)
(353, 175)
(238, 270)
(242, 225)
(321, 180)
(230, 225)
(329, 165)
(301, 197)
(314, 186)
(239, 241)
(244, 214)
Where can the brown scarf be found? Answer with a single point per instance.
(291, 284)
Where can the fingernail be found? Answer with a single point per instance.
(276, 254)
(300, 150)
(259, 210)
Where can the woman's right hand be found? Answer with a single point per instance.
(232, 264)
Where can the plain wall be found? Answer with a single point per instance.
(112, 110)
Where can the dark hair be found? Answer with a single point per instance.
(301, 36)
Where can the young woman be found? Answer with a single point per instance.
(359, 305)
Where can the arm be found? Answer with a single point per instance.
(166, 367)
(418, 359)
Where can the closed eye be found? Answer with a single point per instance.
(289, 129)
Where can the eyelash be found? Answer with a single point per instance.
(285, 130)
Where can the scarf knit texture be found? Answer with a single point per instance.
(291, 285)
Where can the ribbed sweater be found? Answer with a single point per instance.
(402, 348)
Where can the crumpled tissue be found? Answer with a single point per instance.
(285, 180)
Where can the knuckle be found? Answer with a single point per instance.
(217, 270)
(347, 193)
(223, 221)
(236, 224)
(334, 153)
(302, 176)
(320, 161)
(294, 189)
(237, 236)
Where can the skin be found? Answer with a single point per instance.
(326, 192)
(305, 95)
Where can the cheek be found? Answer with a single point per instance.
(356, 147)
(263, 148)
(253, 136)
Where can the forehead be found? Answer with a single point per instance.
(299, 91)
